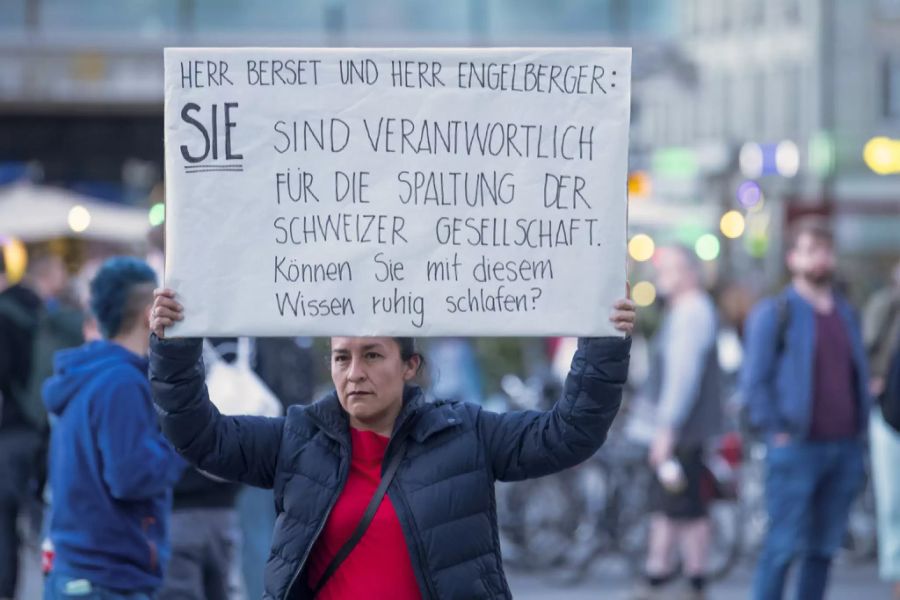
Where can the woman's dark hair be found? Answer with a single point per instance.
(408, 350)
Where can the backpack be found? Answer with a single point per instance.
(783, 313)
(50, 331)
(890, 398)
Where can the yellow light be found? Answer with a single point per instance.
(15, 256)
(732, 224)
(79, 219)
(641, 247)
(643, 293)
(882, 155)
(639, 185)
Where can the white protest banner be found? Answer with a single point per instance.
(408, 191)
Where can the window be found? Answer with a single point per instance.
(891, 87)
(710, 115)
(689, 18)
(144, 17)
(276, 15)
(889, 9)
(793, 102)
(13, 12)
(701, 16)
(724, 107)
(759, 97)
(789, 12)
(756, 13)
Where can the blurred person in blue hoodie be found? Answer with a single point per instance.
(111, 470)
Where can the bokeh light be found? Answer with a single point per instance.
(787, 158)
(79, 218)
(639, 185)
(732, 224)
(820, 154)
(757, 244)
(758, 207)
(641, 247)
(749, 194)
(15, 257)
(882, 155)
(643, 293)
(157, 215)
(675, 163)
(750, 160)
(707, 247)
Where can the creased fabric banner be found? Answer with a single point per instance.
(414, 192)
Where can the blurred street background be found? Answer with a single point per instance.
(747, 115)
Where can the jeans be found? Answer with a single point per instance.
(256, 508)
(18, 453)
(206, 561)
(885, 444)
(63, 587)
(810, 488)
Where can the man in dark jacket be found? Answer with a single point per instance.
(111, 470)
(805, 384)
(22, 420)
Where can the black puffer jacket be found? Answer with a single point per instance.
(443, 492)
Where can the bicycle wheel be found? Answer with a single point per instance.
(726, 535)
(590, 538)
(551, 519)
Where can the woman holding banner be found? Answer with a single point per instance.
(379, 493)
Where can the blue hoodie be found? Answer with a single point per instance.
(111, 470)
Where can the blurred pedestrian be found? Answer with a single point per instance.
(32, 325)
(206, 533)
(4, 280)
(804, 381)
(206, 541)
(111, 469)
(881, 329)
(684, 387)
(435, 534)
(287, 366)
(455, 373)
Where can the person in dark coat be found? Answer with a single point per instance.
(33, 324)
(435, 534)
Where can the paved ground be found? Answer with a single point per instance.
(849, 582)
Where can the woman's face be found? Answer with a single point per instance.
(369, 375)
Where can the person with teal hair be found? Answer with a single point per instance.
(111, 469)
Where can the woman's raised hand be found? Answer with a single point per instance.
(624, 314)
(165, 312)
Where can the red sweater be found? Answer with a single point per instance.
(379, 566)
